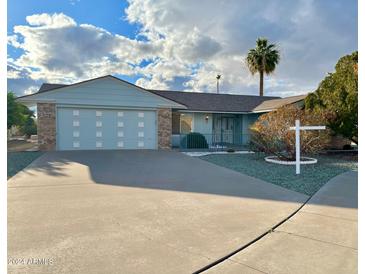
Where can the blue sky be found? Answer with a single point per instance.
(178, 45)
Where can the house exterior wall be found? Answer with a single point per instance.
(46, 126)
(247, 122)
(164, 124)
(105, 92)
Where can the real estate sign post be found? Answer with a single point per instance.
(297, 129)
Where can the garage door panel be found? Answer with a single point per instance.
(105, 129)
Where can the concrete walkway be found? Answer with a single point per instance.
(320, 238)
(135, 212)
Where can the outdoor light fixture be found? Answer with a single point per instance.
(206, 118)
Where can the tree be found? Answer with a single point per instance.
(29, 128)
(15, 115)
(18, 114)
(262, 59)
(337, 95)
(271, 134)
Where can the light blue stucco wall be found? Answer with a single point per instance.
(202, 125)
(247, 121)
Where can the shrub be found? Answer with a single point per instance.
(194, 140)
(29, 128)
(230, 150)
(347, 147)
(271, 134)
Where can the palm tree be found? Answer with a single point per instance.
(262, 59)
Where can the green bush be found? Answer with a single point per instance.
(29, 128)
(194, 140)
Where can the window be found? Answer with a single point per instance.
(76, 134)
(140, 114)
(120, 134)
(76, 123)
(75, 112)
(141, 134)
(120, 144)
(140, 144)
(120, 124)
(99, 123)
(120, 113)
(140, 124)
(186, 123)
(99, 144)
(99, 113)
(99, 134)
(76, 144)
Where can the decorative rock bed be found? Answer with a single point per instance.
(303, 161)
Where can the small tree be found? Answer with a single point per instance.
(29, 128)
(271, 134)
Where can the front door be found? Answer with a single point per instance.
(227, 129)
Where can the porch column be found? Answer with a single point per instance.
(164, 122)
(46, 126)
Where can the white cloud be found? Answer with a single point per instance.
(192, 41)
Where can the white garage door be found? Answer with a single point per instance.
(83, 128)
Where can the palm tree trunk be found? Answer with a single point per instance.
(261, 83)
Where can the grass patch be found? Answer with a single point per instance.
(19, 160)
(311, 179)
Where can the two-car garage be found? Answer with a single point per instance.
(86, 128)
(101, 113)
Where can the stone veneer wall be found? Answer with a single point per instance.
(46, 126)
(164, 118)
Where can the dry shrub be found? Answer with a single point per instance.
(271, 134)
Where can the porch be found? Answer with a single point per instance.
(212, 131)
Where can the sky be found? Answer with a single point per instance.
(177, 45)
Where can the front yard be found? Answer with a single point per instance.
(311, 179)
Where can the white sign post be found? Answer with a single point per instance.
(297, 129)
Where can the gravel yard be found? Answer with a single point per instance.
(311, 179)
(19, 160)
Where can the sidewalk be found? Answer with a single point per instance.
(320, 238)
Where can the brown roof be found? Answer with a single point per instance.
(201, 101)
(277, 103)
(213, 102)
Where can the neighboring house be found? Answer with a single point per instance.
(109, 113)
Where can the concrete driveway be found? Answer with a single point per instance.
(320, 239)
(134, 212)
